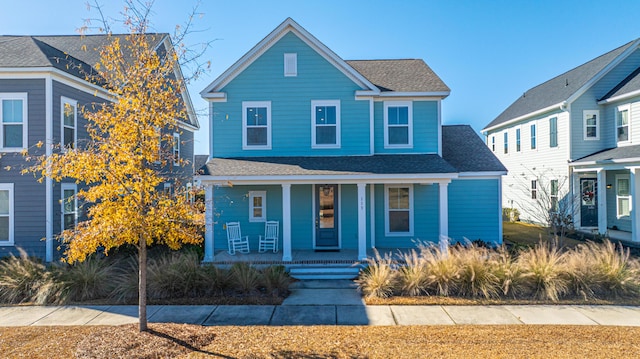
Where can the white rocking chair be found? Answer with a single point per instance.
(236, 241)
(270, 239)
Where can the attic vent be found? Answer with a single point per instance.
(291, 64)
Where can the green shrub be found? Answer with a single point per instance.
(276, 280)
(213, 279)
(544, 271)
(90, 279)
(174, 275)
(477, 276)
(244, 277)
(412, 276)
(25, 279)
(378, 278)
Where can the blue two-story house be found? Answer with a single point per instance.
(345, 155)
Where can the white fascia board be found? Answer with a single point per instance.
(366, 94)
(441, 94)
(620, 97)
(58, 75)
(606, 162)
(615, 62)
(287, 26)
(559, 106)
(492, 174)
(348, 179)
(215, 97)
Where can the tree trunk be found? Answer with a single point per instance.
(142, 283)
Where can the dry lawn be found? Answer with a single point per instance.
(526, 234)
(188, 341)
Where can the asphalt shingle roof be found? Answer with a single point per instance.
(616, 153)
(465, 150)
(406, 75)
(558, 89)
(462, 148)
(629, 84)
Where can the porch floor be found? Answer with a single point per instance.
(613, 234)
(309, 257)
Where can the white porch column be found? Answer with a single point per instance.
(602, 200)
(635, 203)
(362, 221)
(372, 214)
(444, 216)
(208, 223)
(286, 222)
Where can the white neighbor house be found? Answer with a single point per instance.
(578, 135)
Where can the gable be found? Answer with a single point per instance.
(285, 28)
(266, 73)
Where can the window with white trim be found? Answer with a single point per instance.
(534, 189)
(176, 149)
(257, 206)
(13, 120)
(533, 136)
(506, 142)
(6, 214)
(398, 210)
(290, 65)
(553, 132)
(517, 140)
(398, 124)
(623, 198)
(68, 122)
(69, 205)
(622, 123)
(493, 143)
(591, 119)
(325, 124)
(554, 195)
(256, 125)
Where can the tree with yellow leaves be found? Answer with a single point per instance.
(122, 167)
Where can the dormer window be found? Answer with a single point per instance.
(290, 65)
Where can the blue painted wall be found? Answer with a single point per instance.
(474, 210)
(425, 128)
(290, 98)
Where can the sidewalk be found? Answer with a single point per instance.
(324, 303)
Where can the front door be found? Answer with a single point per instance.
(326, 216)
(588, 203)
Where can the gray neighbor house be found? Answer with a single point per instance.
(42, 91)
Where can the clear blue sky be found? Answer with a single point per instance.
(488, 52)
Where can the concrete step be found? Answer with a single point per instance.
(324, 272)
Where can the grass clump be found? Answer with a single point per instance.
(88, 280)
(24, 279)
(378, 279)
(443, 270)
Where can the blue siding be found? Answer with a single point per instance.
(425, 217)
(349, 216)
(301, 216)
(474, 210)
(290, 98)
(425, 128)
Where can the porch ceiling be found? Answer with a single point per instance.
(328, 166)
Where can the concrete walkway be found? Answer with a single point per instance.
(324, 303)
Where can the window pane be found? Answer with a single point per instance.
(393, 115)
(398, 135)
(398, 198)
(554, 187)
(326, 135)
(12, 136)
(69, 115)
(623, 118)
(4, 202)
(325, 115)
(69, 203)
(257, 212)
(256, 116)
(403, 115)
(11, 111)
(591, 120)
(399, 221)
(257, 136)
(4, 228)
(69, 221)
(623, 133)
(623, 206)
(591, 131)
(257, 201)
(69, 133)
(623, 187)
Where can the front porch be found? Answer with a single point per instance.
(301, 257)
